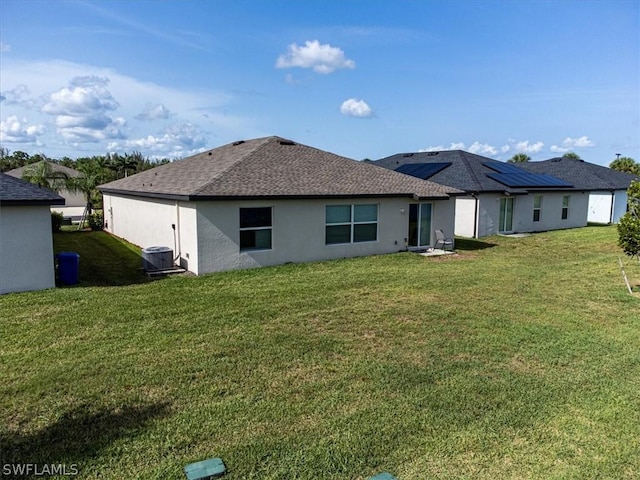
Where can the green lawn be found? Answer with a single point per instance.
(516, 359)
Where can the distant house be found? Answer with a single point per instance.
(500, 198)
(607, 187)
(26, 242)
(270, 201)
(74, 201)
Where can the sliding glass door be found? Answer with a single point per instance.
(419, 225)
(506, 215)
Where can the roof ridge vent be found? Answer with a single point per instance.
(407, 155)
(239, 142)
(286, 142)
(432, 154)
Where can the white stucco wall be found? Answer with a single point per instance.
(550, 219)
(208, 233)
(147, 222)
(488, 214)
(619, 205)
(26, 249)
(551, 212)
(465, 216)
(298, 233)
(600, 204)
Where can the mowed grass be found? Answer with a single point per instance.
(516, 358)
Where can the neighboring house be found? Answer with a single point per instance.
(26, 242)
(74, 201)
(271, 201)
(500, 198)
(607, 187)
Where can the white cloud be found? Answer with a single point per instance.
(354, 107)
(581, 142)
(154, 112)
(99, 97)
(321, 58)
(569, 144)
(174, 142)
(15, 130)
(440, 148)
(483, 149)
(19, 95)
(81, 111)
(526, 147)
(505, 148)
(557, 149)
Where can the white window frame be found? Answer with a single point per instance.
(352, 223)
(564, 215)
(537, 209)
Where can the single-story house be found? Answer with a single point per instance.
(607, 187)
(500, 198)
(74, 201)
(26, 242)
(271, 201)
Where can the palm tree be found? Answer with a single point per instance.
(519, 158)
(43, 175)
(93, 174)
(625, 164)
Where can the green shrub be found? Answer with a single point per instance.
(95, 221)
(629, 226)
(56, 221)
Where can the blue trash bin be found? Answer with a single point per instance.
(68, 267)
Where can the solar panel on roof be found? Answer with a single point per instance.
(502, 167)
(528, 180)
(422, 170)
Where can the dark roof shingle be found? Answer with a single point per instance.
(272, 167)
(583, 175)
(14, 191)
(467, 171)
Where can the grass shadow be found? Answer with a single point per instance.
(470, 244)
(105, 260)
(77, 436)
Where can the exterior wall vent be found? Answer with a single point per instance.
(157, 258)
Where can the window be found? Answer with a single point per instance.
(537, 207)
(255, 228)
(565, 206)
(351, 224)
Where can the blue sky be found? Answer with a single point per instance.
(363, 79)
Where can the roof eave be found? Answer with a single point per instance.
(25, 202)
(204, 198)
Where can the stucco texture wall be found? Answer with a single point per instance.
(208, 232)
(26, 249)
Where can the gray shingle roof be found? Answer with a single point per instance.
(583, 175)
(271, 167)
(14, 191)
(467, 171)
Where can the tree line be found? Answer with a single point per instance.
(93, 171)
(111, 166)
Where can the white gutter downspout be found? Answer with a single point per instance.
(176, 241)
(613, 202)
(476, 216)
